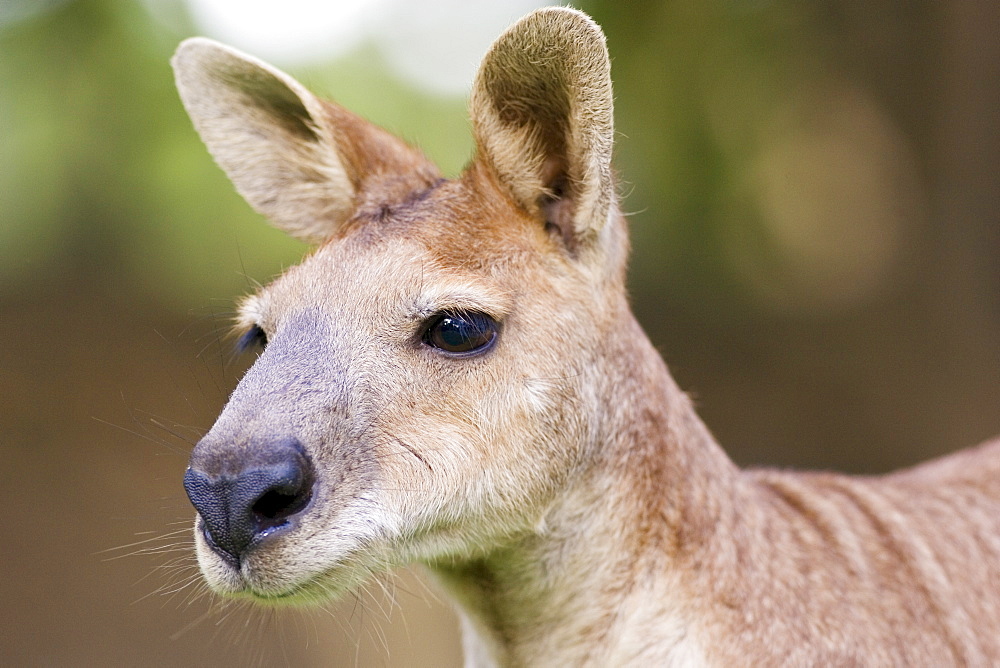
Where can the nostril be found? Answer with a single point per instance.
(276, 505)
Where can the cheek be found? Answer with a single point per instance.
(426, 456)
(539, 396)
(455, 454)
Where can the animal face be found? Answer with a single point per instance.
(429, 374)
(436, 399)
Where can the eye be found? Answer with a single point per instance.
(252, 338)
(462, 333)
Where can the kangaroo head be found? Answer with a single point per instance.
(429, 376)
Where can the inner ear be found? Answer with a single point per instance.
(283, 107)
(556, 203)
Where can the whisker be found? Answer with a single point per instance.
(141, 435)
(192, 624)
(157, 537)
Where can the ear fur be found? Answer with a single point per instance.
(300, 161)
(541, 108)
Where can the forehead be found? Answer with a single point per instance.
(462, 223)
(450, 238)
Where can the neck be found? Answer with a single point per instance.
(611, 546)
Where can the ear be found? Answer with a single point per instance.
(300, 161)
(541, 109)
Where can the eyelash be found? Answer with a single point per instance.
(255, 337)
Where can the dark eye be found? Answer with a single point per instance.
(468, 332)
(252, 338)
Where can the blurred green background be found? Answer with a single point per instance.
(813, 193)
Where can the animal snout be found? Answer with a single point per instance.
(246, 494)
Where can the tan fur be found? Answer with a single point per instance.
(296, 159)
(560, 485)
(542, 115)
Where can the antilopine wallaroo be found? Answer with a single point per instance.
(454, 378)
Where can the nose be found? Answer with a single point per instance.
(247, 494)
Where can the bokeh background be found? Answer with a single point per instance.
(813, 193)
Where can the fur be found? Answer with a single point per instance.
(560, 486)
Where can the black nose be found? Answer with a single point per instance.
(245, 495)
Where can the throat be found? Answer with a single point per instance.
(589, 588)
(543, 599)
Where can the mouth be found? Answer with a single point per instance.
(236, 561)
(272, 574)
